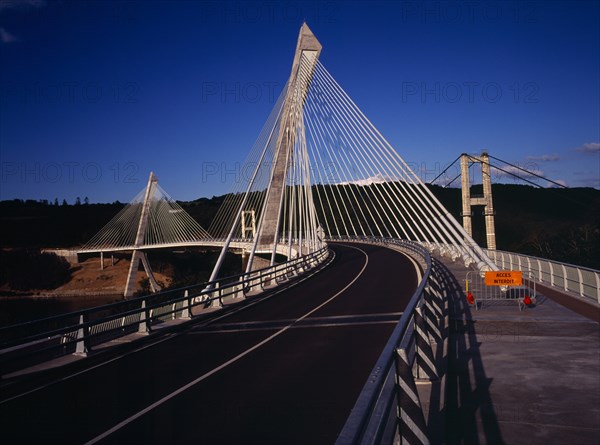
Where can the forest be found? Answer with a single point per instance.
(553, 223)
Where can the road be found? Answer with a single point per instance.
(285, 370)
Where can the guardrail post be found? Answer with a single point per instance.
(434, 297)
(580, 276)
(239, 292)
(82, 347)
(411, 421)
(143, 327)
(185, 310)
(215, 296)
(426, 369)
(433, 315)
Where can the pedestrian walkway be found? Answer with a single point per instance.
(521, 377)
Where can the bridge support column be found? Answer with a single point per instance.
(139, 239)
(308, 47)
(131, 284)
(486, 200)
(466, 195)
(486, 179)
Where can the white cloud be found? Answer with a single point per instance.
(376, 179)
(559, 181)
(21, 4)
(590, 147)
(7, 37)
(544, 158)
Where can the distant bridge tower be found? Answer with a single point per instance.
(139, 240)
(486, 200)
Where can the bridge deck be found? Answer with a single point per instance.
(522, 377)
(286, 370)
(289, 369)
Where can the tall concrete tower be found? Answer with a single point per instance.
(308, 50)
(486, 200)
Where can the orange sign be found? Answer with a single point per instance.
(504, 278)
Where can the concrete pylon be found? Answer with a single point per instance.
(486, 200)
(139, 240)
(486, 179)
(309, 47)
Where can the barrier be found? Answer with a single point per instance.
(479, 293)
(79, 332)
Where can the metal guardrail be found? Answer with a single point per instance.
(388, 406)
(581, 281)
(78, 332)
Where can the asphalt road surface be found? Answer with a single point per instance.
(287, 370)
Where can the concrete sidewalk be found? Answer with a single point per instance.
(521, 377)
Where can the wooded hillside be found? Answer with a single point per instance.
(560, 224)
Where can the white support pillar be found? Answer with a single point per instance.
(309, 47)
(466, 194)
(486, 179)
(139, 240)
(486, 200)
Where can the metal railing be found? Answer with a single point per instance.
(581, 281)
(388, 406)
(479, 294)
(78, 332)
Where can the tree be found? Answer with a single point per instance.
(86, 200)
(65, 202)
(55, 201)
(77, 201)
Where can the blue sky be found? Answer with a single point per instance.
(95, 95)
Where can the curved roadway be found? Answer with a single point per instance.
(285, 370)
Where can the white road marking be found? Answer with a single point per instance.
(168, 397)
(160, 340)
(417, 267)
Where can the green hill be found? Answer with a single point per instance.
(560, 224)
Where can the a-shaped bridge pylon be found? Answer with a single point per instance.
(151, 220)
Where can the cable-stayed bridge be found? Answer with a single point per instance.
(362, 335)
(323, 171)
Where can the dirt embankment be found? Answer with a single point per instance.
(88, 280)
